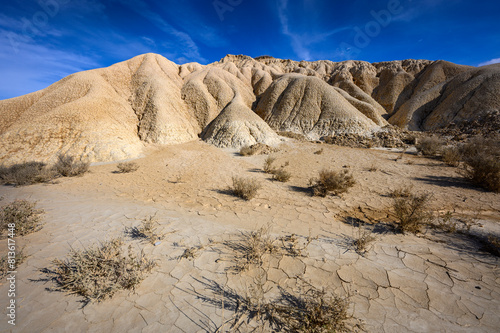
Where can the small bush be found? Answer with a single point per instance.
(98, 272)
(6, 266)
(373, 168)
(451, 156)
(245, 188)
(411, 212)
(331, 182)
(402, 192)
(362, 240)
(22, 215)
(67, 166)
(268, 164)
(483, 169)
(281, 175)
(247, 151)
(429, 146)
(126, 167)
(147, 230)
(319, 152)
(26, 174)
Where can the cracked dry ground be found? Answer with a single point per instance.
(404, 283)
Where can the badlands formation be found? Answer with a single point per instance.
(185, 125)
(112, 113)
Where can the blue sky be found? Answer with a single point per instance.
(43, 41)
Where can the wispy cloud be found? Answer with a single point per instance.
(490, 62)
(301, 41)
(187, 45)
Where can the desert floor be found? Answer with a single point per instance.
(431, 282)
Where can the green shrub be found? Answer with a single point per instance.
(330, 181)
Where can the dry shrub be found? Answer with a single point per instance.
(147, 230)
(373, 168)
(245, 188)
(26, 174)
(268, 164)
(482, 163)
(310, 309)
(451, 156)
(247, 151)
(319, 152)
(292, 246)
(126, 167)
(250, 248)
(429, 146)
(291, 135)
(98, 272)
(281, 175)
(363, 238)
(22, 216)
(11, 263)
(411, 212)
(329, 181)
(402, 192)
(68, 166)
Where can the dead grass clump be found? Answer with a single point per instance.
(291, 135)
(402, 192)
(148, 230)
(483, 169)
(448, 223)
(429, 146)
(26, 174)
(127, 167)
(268, 164)
(67, 166)
(11, 263)
(330, 181)
(451, 156)
(250, 248)
(98, 272)
(292, 246)
(245, 188)
(362, 240)
(319, 152)
(281, 175)
(310, 310)
(373, 168)
(411, 212)
(20, 216)
(247, 151)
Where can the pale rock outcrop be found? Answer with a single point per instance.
(308, 105)
(238, 126)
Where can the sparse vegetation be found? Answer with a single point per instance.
(482, 163)
(37, 172)
(5, 262)
(362, 240)
(329, 181)
(291, 135)
(411, 212)
(402, 192)
(281, 175)
(98, 272)
(68, 166)
(245, 188)
(373, 168)
(268, 164)
(429, 146)
(127, 167)
(319, 152)
(22, 216)
(26, 174)
(147, 230)
(451, 156)
(246, 151)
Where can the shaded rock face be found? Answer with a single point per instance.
(111, 113)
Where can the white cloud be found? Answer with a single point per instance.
(490, 62)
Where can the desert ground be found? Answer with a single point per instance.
(429, 282)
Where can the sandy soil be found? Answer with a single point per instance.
(432, 282)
